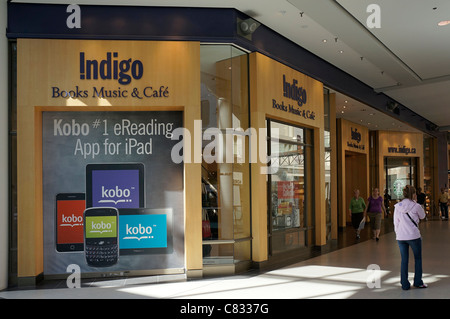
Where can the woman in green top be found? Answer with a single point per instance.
(357, 207)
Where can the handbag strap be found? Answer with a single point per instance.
(412, 220)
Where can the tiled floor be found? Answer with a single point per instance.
(338, 274)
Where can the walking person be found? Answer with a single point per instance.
(407, 214)
(356, 211)
(374, 209)
(443, 203)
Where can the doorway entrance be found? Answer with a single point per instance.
(355, 176)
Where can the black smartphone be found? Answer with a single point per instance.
(69, 222)
(101, 243)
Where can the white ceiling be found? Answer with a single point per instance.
(408, 58)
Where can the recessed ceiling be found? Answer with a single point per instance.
(407, 58)
(409, 28)
(360, 113)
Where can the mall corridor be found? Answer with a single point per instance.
(341, 274)
(216, 150)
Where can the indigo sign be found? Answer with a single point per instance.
(111, 68)
(402, 150)
(357, 137)
(296, 93)
(293, 92)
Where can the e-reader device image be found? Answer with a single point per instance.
(115, 185)
(101, 244)
(69, 222)
(145, 231)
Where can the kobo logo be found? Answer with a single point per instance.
(71, 220)
(137, 232)
(111, 68)
(116, 195)
(101, 226)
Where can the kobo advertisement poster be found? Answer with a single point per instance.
(113, 199)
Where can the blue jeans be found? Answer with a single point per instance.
(416, 246)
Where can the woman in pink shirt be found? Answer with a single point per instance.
(407, 214)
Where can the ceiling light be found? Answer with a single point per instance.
(341, 51)
(324, 40)
(444, 23)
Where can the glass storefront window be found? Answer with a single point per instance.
(13, 243)
(328, 150)
(400, 171)
(226, 186)
(288, 211)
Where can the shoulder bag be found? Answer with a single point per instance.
(415, 224)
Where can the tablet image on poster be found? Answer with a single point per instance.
(145, 231)
(115, 185)
(122, 167)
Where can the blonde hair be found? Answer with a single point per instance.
(409, 191)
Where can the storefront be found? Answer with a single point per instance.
(401, 156)
(197, 153)
(95, 121)
(99, 145)
(99, 129)
(353, 169)
(289, 210)
(399, 162)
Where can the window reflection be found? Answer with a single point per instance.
(225, 185)
(289, 215)
(400, 171)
